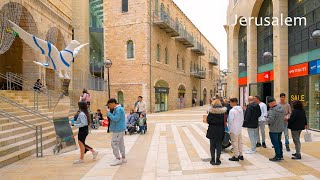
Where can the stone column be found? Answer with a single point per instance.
(251, 55)
(232, 79)
(280, 48)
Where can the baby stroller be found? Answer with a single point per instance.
(95, 123)
(132, 123)
(226, 139)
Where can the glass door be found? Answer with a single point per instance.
(163, 101)
(157, 103)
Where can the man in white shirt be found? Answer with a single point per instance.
(262, 122)
(141, 106)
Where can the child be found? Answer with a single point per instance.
(141, 123)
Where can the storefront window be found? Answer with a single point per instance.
(299, 90)
(314, 109)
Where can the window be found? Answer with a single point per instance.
(182, 64)
(242, 48)
(178, 63)
(264, 34)
(191, 70)
(125, 6)
(166, 56)
(130, 49)
(156, 7)
(158, 52)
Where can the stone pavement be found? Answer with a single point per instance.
(175, 147)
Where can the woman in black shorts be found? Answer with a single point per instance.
(82, 122)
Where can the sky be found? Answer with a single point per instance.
(209, 16)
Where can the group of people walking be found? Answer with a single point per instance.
(255, 116)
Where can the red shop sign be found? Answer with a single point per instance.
(298, 70)
(243, 81)
(265, 76)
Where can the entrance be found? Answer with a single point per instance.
(161, 99)
(264, 90)
(181, 97)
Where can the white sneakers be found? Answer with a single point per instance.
(124, 160)
(95, 154)
(116, 162)
(79, 161)
(250, 151)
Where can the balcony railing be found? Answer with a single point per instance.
(185, 38)
(198, 49)
(214, 61)
(165, 22)
(198, 74)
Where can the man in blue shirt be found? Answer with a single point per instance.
(117, 127)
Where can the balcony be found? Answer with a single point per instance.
(214, 61)
(166, 23)
(185, 38)
(198, 74)
(198, 49)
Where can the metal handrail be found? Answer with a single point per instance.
(13, 103)
(37, 128)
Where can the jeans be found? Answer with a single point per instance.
(117, 144)
(141, 128)
(277, 144)
(286, 133)
(215, 145)
(252, 132)
(296, 140)
(261, 127)
(236, 141)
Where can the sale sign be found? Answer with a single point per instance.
(298, 70)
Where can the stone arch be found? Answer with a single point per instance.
(55, 37)
(181, 90)
(15, 55)
(161, 83)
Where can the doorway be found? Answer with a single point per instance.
(264, 90)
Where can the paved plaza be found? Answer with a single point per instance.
(175, 147)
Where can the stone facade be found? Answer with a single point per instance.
(132, 76)
(251, 8)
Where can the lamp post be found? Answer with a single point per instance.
(108, 64)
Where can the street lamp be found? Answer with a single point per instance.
(108, 64)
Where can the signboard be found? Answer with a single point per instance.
(162, 90)
(243, 81)
(314, 67)
(298, 70)
(265, 76)
(194, 91)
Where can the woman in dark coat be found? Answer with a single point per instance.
(297, 122)
(215, 131)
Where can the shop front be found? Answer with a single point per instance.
(243, 90)
(314, 95)
(161, 99)
(181, 97)
(263, 87)
(299, 85)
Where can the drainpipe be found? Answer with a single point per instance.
(150, 57)
(200, 70)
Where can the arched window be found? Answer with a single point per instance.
(125, 6)
(242, 48)
(130, 49)
(178, 63)
(182, 65)
(156, 7)
(120, 98)
(158, 52)
(166, 56)
(264, 34)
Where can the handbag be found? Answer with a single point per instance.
(307, 136)
(105, 122)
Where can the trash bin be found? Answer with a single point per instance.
(201, 102)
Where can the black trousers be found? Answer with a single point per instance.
(215, 146)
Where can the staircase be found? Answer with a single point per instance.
(16, 140)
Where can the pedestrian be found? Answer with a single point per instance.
(276, 125)
(194, 102)
(216, 120)
(251, 120)
(141, 123)
(141, 106)
(235, 122)
(262, 122)
(85, 97)
(287, 110)
(297, 122)
(82, 122)
(117, 127)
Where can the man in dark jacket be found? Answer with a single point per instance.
(251, 120)
(276, 126)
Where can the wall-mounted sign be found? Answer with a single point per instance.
(194, 91)
(243, 81)
(297, 97)
(298, 70)
(182, 91)
(265, 76)
(314, 67)
(162, 90)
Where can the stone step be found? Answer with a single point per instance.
(23, 153)
(21, 130)
(11, 148)
(22, 115)
(11, 125)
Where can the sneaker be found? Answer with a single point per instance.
(287, 148)
(234, 159)
(275, 159)
(79, 161)
(95, 154)
(116, 162)
(241, 158)
(297, 156)
(250, 152)
(124, 160)
(258, 145)
(264, 145)
(218, 162)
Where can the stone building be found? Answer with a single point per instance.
(158, 53)
(267, 60)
